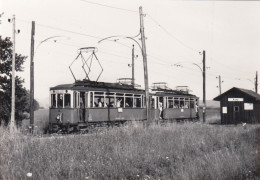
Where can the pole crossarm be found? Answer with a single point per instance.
(198, 67)
(47, 39)
(121, 38)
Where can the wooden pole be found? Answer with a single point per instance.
(133, 66)
(32, 80)
(12, 122)
(256, 82)
(144, 62)
(204, 87)
(219, 78)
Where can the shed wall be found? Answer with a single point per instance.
(237, 111)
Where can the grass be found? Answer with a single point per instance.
(173, 151)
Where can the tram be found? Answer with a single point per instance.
(76, 106)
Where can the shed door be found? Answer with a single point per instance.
(237, 109)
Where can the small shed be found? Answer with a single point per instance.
(239, 105)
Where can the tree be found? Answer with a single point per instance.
(22, 97)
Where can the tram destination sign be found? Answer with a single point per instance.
(235, 99)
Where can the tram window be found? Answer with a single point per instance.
(181, 102)
(186, 103)
(152, 103)
(67, 100)
(53, 100)
(119, 102)
(137, 102)
(74, 99)
(170, 103)
(128, 102)
(110, 102)
(99, 101)
(91, 99)
(60, 100)
(176, 103)
(192, 104)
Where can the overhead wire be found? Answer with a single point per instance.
(109, 6)
(171, 35)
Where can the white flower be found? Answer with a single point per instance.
(29, 174)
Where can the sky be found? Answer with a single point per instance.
(176, 33)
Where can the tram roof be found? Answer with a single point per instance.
(80, 85)
(172, 92)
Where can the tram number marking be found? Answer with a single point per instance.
(120, 110)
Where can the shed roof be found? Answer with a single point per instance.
(245, 91)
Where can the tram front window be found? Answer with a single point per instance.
(192, 104)
(53, 100)
(67, 100)
(60, 101)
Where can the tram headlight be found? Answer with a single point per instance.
(59, 118)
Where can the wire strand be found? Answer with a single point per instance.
(108, 6)
(171, 35)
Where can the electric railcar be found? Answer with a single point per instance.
(76, 106)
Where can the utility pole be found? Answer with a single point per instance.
(256, 82)
(12, 122)
(219, 82)
(204, 87)
(32, 79)
(133, 66)
(144, 62)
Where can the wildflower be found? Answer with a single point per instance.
(167, 158)
(137, 175)
(29, 174)
(86, 177)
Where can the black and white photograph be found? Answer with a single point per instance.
(129, 89)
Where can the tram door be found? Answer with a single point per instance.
(161, 106)
(82, 105)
